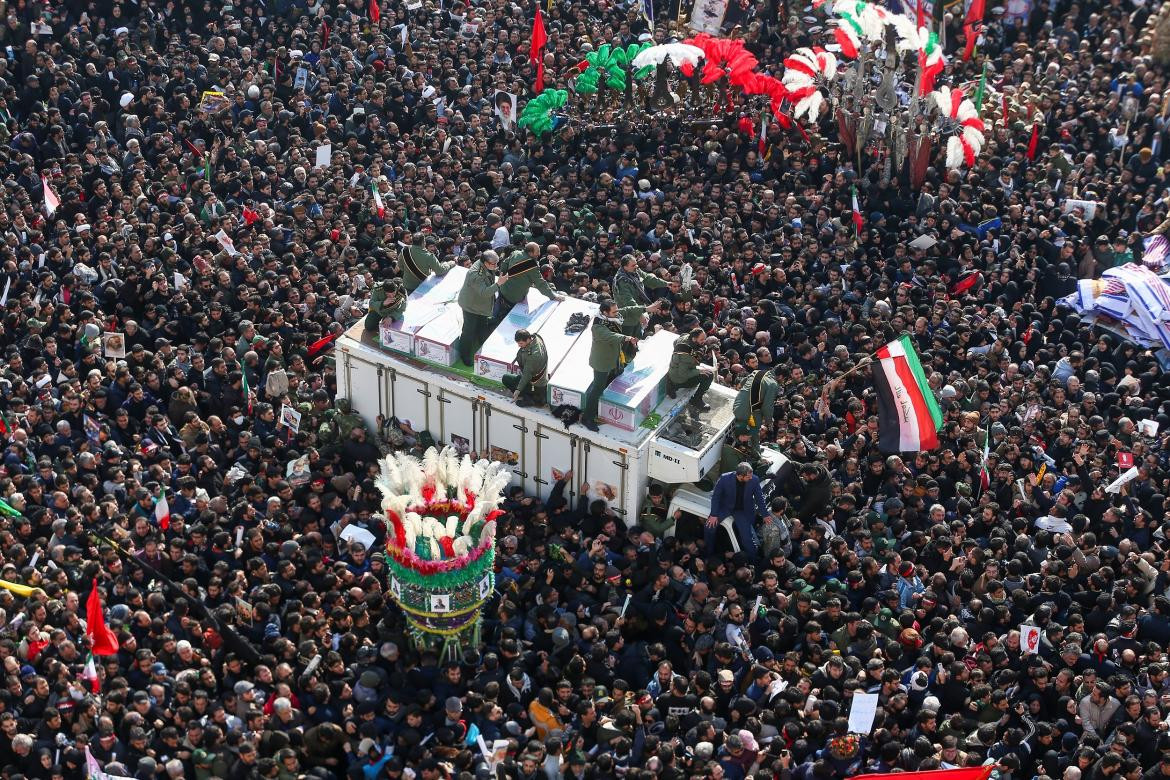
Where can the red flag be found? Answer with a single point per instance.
(1003, 105)
(536, 50)
(194, 149)
(972, 26)
(1035, 142)
(250, 216)
(321, 344)
(970, 773)
(375, 12)
(102, 639)
(324, 35)
(919, 17)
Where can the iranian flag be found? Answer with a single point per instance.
(162, 512)
(379, 206)
(856, 213)
(52, 202)
(763, 132)
(90, 675)
(908, 414)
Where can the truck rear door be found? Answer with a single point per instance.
(365, 386)
(410, 398)
(607, 471)
(505, 435)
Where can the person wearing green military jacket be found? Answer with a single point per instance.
(755, 403)
(523, 270)
(630, 287)
(416, 264)
(653, 515)
(605, 355)
(387, 299)
(477, 298)
(686, 370)
(530, 386)
(739, 449)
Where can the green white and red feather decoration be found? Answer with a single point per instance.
(806, 72)
(962, 125)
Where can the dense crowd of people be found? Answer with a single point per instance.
(184, 289)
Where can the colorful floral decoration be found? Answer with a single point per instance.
(537, 115)
(441, 531)
(959, 121)
(806, 73)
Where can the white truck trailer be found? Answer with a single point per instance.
(470, 409)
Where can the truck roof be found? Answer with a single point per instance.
(693, 432)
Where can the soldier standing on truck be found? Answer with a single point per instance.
(629, 289)
(605, 356)
(686, 370)
(755, 403)
(416, 263)
(523, 270)
(477, 298)
(530, 386)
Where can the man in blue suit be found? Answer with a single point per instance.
(738, 494)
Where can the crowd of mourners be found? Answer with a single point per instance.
(184, 290)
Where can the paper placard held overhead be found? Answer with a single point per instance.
(324, 155)
(862, 712)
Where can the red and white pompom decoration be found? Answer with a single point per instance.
(959, 121)
(806, 72)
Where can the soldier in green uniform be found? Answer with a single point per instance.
(686, 370)
(530, 386)
(523, 270)
(755, 403)
(605, 355)
(387, 299)
(477, 298)
(336, 426)
(739, 449)
(652, 516)
(416, 264)
(630, 287)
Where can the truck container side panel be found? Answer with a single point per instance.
(454, 414)
(555, 449)
(411, 401)
(606, 470)
(504, 435)
(363, 383)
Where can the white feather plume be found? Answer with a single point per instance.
(462, 545)
(452, 526)
(678, 53)
(430, 466)
(967, 110)
(488, 531)
(872, 22)
(942, 99)
(954, 152)
(828, 64)
(809, 106)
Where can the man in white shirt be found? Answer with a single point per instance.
(500, 236)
